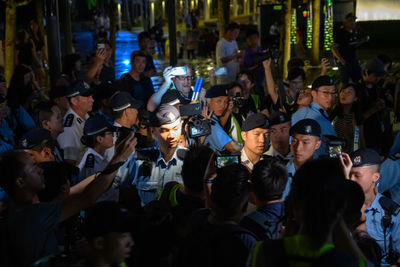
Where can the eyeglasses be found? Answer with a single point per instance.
(327, 93)
(182, 78)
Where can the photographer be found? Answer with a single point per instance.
(182, 83)
(217, 103)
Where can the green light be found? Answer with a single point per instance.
(309, 28)
(278, 7)
(293, 27)
(328, 25)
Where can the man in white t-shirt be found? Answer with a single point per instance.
(228, 54)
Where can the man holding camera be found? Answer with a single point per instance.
(217, 103)
(306, 139)
(182, 83)
(255, 135)
(381, 213)
(156, 167)
(324, 94)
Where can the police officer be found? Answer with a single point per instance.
(382, 218)
(81, 101)
(324, 94)
(306, 139)
(217, 102)
(39, 143)
(279, 134)
(156, 167)
(98, 137)
(389, 177)
(255, 136)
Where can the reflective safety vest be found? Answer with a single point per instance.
(235, 131)
(256, 100)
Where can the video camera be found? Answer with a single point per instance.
(258, 58)
(238, 100)
(197, 125)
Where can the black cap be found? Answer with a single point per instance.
(124, 100)
(107, 217)
(79, 88)
(58, 91)
(164, 114)
(376, 66)
(306, 127)
(105, 90)
(351, 16)
(322, 81)
(365, 157)
(97, 124)
(278, 118)
(172, 97)
(216, 91)
(256, 120)
(34, 137)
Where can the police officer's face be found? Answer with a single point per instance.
(279, 135)
(168, 135)
(139, 64)
(324, 96)
(255, 139)
(218, 105)
(85, 103)
(117, 247)
(366, 177)
(303, 147)
(55, 124)
(132, 114)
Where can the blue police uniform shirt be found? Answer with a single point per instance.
(6, 132)
(389, 178)
(218, 137)
(374, 215)
(396, 145)
(315, 112)
(161, 174)
(20, 117)
(291, 172)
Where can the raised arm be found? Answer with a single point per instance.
(270, 80)
(155, 99)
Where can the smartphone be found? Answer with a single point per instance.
(220, 71)
(179, 71)
(101, 46)
(223, 161)
(335, 151)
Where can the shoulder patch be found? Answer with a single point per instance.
(395, 156)
(89, 161)
(69, 120)
(181, 153)
(79, 120)
(147, 155)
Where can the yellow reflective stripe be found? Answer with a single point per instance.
(300, 245)
(361, 263)
(256, 101)
(123, 264)
(172, 195)
(238, 130)
(256, 249)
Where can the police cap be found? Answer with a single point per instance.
(79, 88)
(278, 118)
(172, 97)
(164, 114)
(124, 100)
(365, 157)
(306, 127)
(324, 80)
(34, 137)
(217, 90)
(256, 120)
(97, 124)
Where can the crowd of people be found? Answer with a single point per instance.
(253, 171)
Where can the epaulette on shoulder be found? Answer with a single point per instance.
(147, 155)
(181, 153)
(89, 161)
(69, 120)
(395, 156)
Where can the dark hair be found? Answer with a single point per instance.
(18, 92)
(232, 85)
(69, 63)
(318, 194)
(295, 63)
(11, 168)
(249, 74)
(354, 201)
(43, 112)
(369, 247)
(20, 36)
(91, 140)
(230, 189)
(194, 167)
(56, 174)
(251, 33)
(296, 72)
(232, 26)
(269, 178)
(104, 41)
(143, 35)
(136, 54)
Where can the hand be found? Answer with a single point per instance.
(205, 113)
(167, 74)
(346, 163)
(324, 65)
(230, 106)
(101, 55)
(124, 148)
(267, 63)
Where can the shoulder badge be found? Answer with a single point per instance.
(89, 161)
(79, 120)
(147, 155)
(395, 156)
(69, 120)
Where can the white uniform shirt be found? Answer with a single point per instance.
(70, 139)
(91, 163)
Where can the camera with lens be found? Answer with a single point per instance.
(334, 145)
(258, 58)
(238, 100)
(198, 126)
